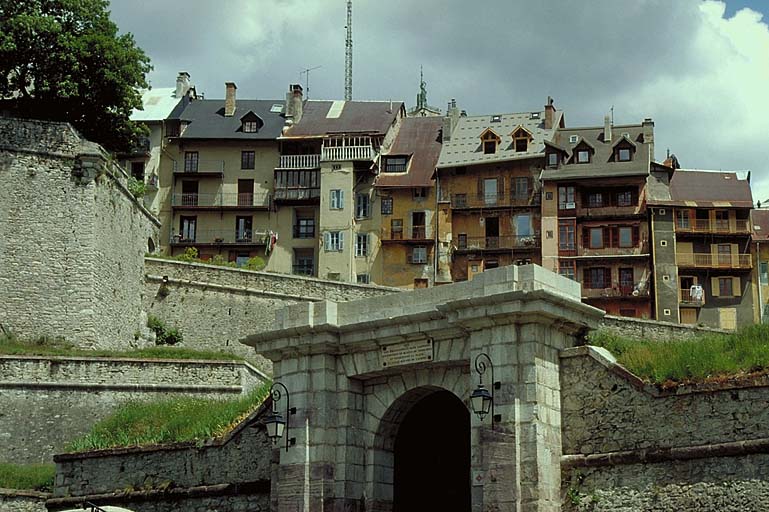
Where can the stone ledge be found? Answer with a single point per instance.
(229, 288)
(24, 493)
(730, 449)
(171, 388)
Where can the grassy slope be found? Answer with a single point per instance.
(709, 357)
(27, 476)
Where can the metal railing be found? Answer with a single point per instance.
(728, 261)
(685, 297)
(299, 162)
(616, 289)
(259, 200)
(344, 153)
(220, 236)
(193, 166)
(296, 194)
(413, 233)
(304, 270)
(714, 226)
(494, 200)
(497, 242)
(641, 249)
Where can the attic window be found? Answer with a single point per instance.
(250, 126)
(276, 108)
(250, 122)
(583, 156)
(623, 155)
(552, 159)
(521, 139)
(396, 164)
(489, 139)
(573, 139)
(534, 115)
(496, 119)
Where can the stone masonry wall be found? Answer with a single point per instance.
(12, 500)
(48, 402)
(231, 473)
(630, 446)
(216, 306)
(653, 330)
(72, 239)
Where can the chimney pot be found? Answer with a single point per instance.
(182, 84)
(607, 129)
(229, 99)
(549, 113)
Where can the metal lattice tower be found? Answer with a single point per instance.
(348, 55)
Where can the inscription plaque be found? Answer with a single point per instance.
(409, 352)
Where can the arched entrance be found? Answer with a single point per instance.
(432, 456)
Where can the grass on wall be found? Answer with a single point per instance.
(710, 357)
(37, 477)
(169, 421)
(10, 345)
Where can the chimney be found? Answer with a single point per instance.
(229, 99)
(648, 132)
(606, 129)
(549, 114)
(451, 119)
(294, 103)
(182, 84)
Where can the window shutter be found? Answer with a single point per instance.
(585, 238)
(368, 244)
(327, 240)
(614, 236)
(607, 237)
(736, 290)
(480, 188)
(341, 200)
(735, 250)
(341, 240)
(714, 291)
(501, 186)
(636, 236)
(607, 278)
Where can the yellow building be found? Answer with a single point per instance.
(405, 189)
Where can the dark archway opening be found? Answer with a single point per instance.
(432, 456)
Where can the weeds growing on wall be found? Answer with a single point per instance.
(164, 335)
(169, 421)
(37, 477)
(136, 187)
(190, 255)
(710, 357)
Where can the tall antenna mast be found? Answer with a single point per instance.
(348, 55)
(306, 73)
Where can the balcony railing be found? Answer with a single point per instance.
(493, 200)
(233, 200)
(344, 153)
(199, 166)
(685, 297)
(304, 231)
(414, 233)
(299, 162)
(497, 242)
(718, 226)
(221, 236)
(726, 261)
(296, 194)
(642, 249)
(616, 290)
(304, 270)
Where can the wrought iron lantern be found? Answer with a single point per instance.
(275, 423)
(482, 399)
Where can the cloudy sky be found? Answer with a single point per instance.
(700, 69)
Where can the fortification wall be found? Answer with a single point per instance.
(48, 402)
(230, 473)
(630, 446)
(12, 500)
(216, 306)
(653, 330)
(72, 239)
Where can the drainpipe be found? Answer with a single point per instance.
(436, 244)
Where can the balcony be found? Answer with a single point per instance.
(718, 226)
(460, 201)
(297, 194)
(303, 270)
(304, 231)
(510, 242)
(199, 167)
(718, 261)
(616, 291)
(416, 234)
(347, 153)
(221, 200)
(220, 237)
(685, 299)
(299, 162)
(610, 211)
(642, 249)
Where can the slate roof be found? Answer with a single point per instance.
(600, 164)
(708, 189)
(760, 225)
(364, 117)
(464, 146)
(207, 120)
(158, 104)
(418, 137)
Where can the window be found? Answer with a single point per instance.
(361, 244)
(187, 227)
(764, 271)
(418, 255)
(190, 161)
(489, 264)
(523, 225)
(595, 199)
(396, 229)
(490, 191)
(583, 156)
(573, 139)
(626, 280)
(420, 282)
(241, 259)
(521, 190)
(623, 155)
(418, 225)
(626, 237)
(596, 238)
(496, 119)
(722, 220)
(625, 198)
(724, 255)
(567, 269)
(250, 126)
(304, 262)
(137, 170)
(396, 164)
(247, 160)
(552, 159)
(566, 231)
(420, 193)
(725, 287)
(336, 167)
(566, 198)
(459, 200)
(336, 201)
(387, 206)
(489, 147)
(243, 229)
(462, 241)
(305, 227)
(682, 219)
(597, 278)
(334, 241)
(521, 144)
(362, 279)
(362, 206)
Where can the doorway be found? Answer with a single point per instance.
(432, 456)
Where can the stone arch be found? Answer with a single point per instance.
(387, 433)
(150, 245)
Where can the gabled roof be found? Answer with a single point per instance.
(708, 189)
(760, 220)
(624, 138)
(158, 104)
(419, 137)
(320, 118)
(207, 120)
(464, 145)
(601, 163)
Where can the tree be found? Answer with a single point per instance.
(64, 60)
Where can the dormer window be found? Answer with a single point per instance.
(396, 164)
(521, 138)
(250, 126)
(250, 122)
(552, 159)
(489, 140)
(623, 155)
(583, 156)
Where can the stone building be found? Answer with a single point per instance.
(72, 239)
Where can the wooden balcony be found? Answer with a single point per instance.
(714, 261)
(416, 234)
(615, 291)
(610, 211)
(346, 153)
(469, 201)
(685, 299)
(297, 194)
(220, 237)
(245, 201)
(717, 227)
(642, 249)
(299, 162)
(493, 243)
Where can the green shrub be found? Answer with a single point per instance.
(255, 263)
(164, 335)
(136, 187)
(190, 255)
(38, 477)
